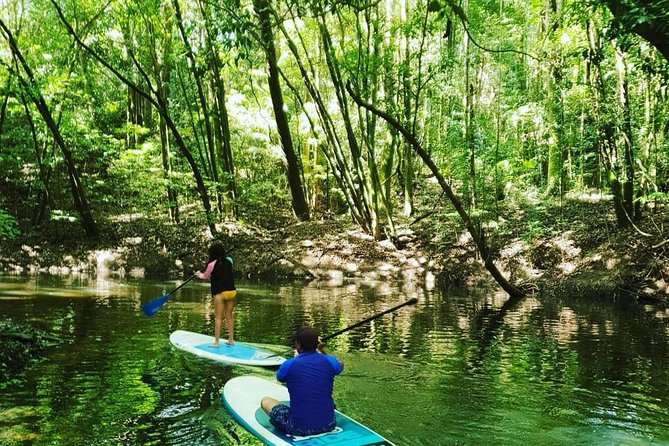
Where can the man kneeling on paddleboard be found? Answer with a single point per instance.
(309, 377)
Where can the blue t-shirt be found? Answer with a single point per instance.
(310, 379)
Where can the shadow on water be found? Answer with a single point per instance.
(455, 369)
(489, 321)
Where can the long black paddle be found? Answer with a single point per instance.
(357, 324)
(154, 305)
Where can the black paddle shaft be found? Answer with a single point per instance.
(357, 324)
(177, 288)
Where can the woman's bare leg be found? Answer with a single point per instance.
(218, 312)
(228, 306)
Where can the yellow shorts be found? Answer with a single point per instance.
(226, 295)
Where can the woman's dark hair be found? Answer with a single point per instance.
(216, 251)
(307, 338)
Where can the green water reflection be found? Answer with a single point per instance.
(454, 370)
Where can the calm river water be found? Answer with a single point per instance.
(456, 369)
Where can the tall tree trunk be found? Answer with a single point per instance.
(627, 167)
(407, 154)
(163, 73)
(165, 146)
(333, 151)
(468, 103)
(221, 116)
(356, 157)
(44, 197)
(222, 132)
(606, 143)
(300, 206)
(555, 175)
(392, 143)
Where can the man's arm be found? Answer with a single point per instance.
(283, 371)
(324, 349)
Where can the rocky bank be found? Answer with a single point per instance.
(572, 246)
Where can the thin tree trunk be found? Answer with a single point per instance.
(556, 159)
(468, 100)
(221, 117)
(333, 150)
(197, 73)
(44, 197)
(351, 138)
(607, 146)
(626, 133)
(407, 153)
(162, 67)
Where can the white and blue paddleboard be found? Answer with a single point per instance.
(239, 353)
(242, 395)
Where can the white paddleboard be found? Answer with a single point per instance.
(242, 395)
(239, 353)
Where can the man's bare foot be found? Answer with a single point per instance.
(230, 343)
(214, 345)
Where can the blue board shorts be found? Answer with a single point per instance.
(279, 417)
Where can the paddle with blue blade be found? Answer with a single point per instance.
(151, 307)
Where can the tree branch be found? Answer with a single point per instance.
(463, 19)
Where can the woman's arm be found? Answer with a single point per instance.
(207, 272)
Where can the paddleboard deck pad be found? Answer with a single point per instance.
(242, 395)
(239, 353)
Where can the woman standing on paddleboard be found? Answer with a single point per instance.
(219, 273)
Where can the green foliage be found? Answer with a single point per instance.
(20, 344)
(135, 181)
(61, 215)
(657, 197)
(263, 194)
(534, 230)
(9, 228)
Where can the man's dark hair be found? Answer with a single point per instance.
(307, 338)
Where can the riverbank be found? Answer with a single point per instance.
(569, 246)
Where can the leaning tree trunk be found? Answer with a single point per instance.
(653, 27)
(333, 149)
(474, 229)
(32, 89)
